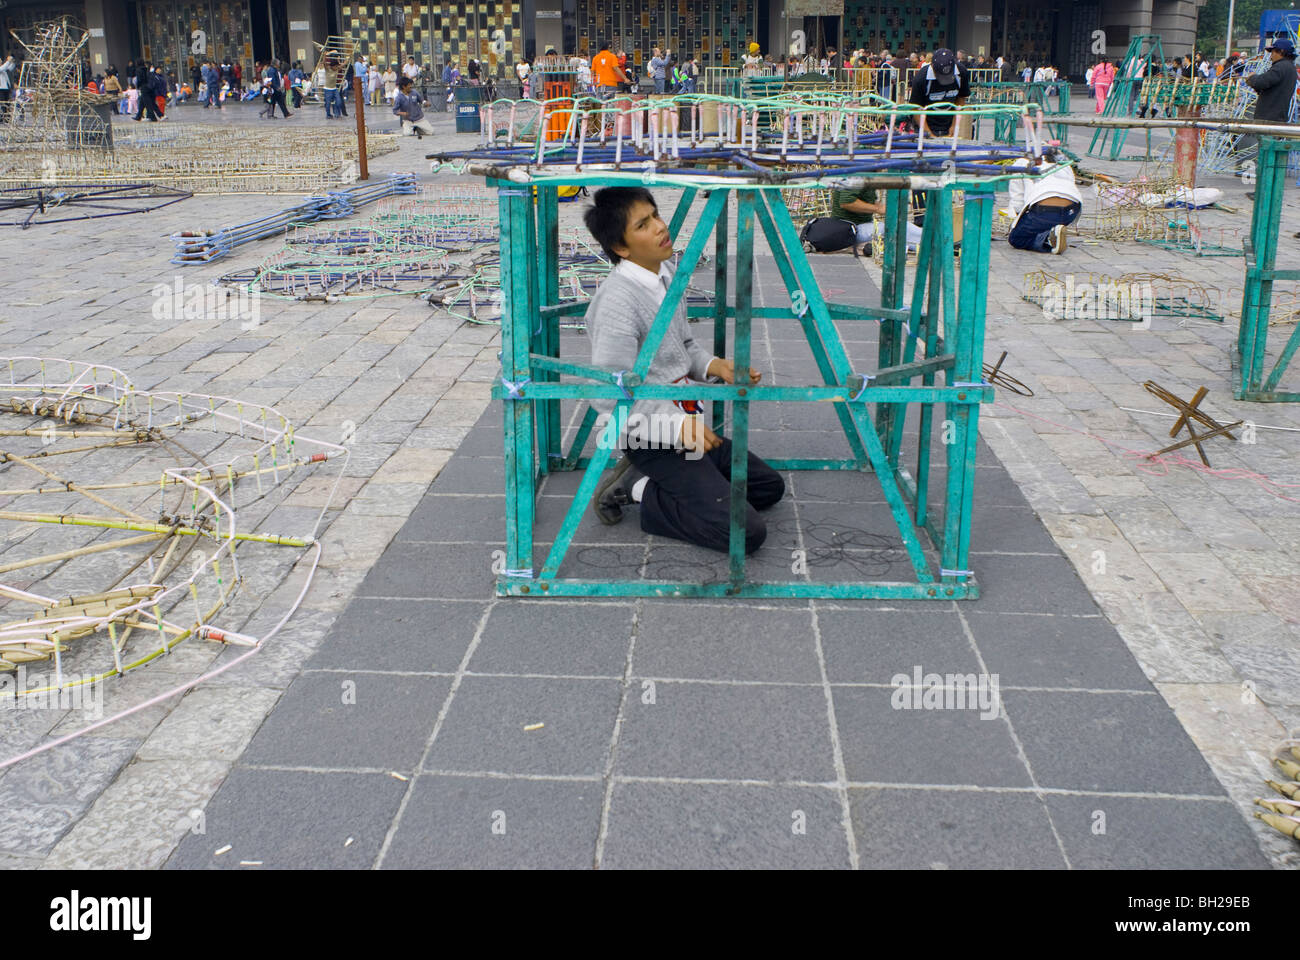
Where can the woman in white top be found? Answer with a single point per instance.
(376, 83)
(390, 84)
(523, 69)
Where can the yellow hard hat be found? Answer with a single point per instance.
(753, 48)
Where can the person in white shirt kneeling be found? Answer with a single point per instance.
(1044, 205)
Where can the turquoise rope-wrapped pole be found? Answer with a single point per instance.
(720, 244)
(797, 296)
(547, 331)
(1261, 271)
(740, 407)
(518, 241)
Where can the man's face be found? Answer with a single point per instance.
(645, 239)
(1274, 56)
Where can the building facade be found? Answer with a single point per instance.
(180, 33)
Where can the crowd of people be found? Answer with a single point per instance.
(1102, 76)
(146, 91)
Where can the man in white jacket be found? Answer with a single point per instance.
(1044, 206)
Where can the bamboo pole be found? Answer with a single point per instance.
(79, 552)
(69, 485)
(111, 524)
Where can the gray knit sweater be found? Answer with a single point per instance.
(620, 315)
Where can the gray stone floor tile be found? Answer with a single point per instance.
(551, 513)
(484, 728)
(431, 570)
(704, 730)
(952, 830)
(484, 440)
(1054, 651)
(403, 635)
(1107, 741)
(677, 826)
(1154, 834)
(546, 637)
(277, 819)
(1009, 530)
(452, 517)
(350, 720)
(496, 823)
(471, 475)
(676, 561)
(885, 744)
(1020, 584)
(44, 796)
(717, 643)
(874, 646)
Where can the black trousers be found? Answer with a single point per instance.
(691, 499)
(147, 106)
(274, 100)
(6, 104)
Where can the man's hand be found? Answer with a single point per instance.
(725, 370)
(697, 436)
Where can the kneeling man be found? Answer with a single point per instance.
(675, 468)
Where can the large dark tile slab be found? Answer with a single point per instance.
(317, 724)
(548, 637)
(400, 634)
(1020, 584)
(670, 826)
(497, 823)
(874, 646)
(952, 830)
(1107, 741)
(456, 517)
(885, 744)
(704, 730)
(484, 729)
(1139, 833)
(714, 643)
(290, 820)
(1028, 650)
(409, 569)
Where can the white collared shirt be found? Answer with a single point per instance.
(656, 283)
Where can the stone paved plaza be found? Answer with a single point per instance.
(1144, 621)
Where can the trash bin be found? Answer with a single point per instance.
(468, 99)
(437, 97)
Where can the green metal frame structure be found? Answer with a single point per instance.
(1147, 48)
(919, 341)
(1257, 382)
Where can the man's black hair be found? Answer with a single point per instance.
(604, 44)
(607, 217)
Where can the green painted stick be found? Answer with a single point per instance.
(740, 406)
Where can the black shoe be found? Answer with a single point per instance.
(1250, 196)
(615, 492)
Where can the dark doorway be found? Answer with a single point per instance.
(821, 33)
(133, 32)
(269, 22)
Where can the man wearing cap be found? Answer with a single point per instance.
(942, 81)
(1276, 88)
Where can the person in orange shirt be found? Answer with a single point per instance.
(606, 73)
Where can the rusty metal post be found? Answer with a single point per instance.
(359, 97)
(1187, 142)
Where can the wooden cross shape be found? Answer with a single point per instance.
(1188, 413)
